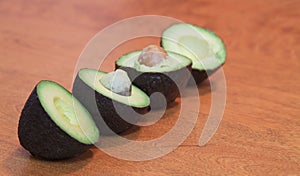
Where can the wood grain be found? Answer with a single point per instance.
(260, 131)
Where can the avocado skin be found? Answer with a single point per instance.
(42, 137)
(163, 82)
(105, 106)
(200, 75)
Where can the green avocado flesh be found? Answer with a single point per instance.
(203, 47)
(92, 78)
(173, 62)
(67, 112)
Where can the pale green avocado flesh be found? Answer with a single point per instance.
(67, 112)
(203, 47)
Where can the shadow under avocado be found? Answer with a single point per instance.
(206, 87)
(107, 141)
(173, 104)
(20, 162)
(203, 88)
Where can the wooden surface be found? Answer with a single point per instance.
(260, 131)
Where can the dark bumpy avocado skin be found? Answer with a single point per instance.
(200, 75)
(109, 117)
(165, 83)
(42, 137)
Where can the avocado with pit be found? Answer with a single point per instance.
(114, 103)
(202, 46)
(155, 70)
(54, 125)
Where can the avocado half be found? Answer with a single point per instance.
(109, 109)
(165, 80)
(54, 125)
(202, 46)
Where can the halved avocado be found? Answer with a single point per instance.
(202, 46)
(109, 109)
(165, 79)
(54, 125)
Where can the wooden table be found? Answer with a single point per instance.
(260, 131)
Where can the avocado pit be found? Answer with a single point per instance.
(152, 55)
(117, 82)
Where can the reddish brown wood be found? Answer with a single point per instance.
(259, 134)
